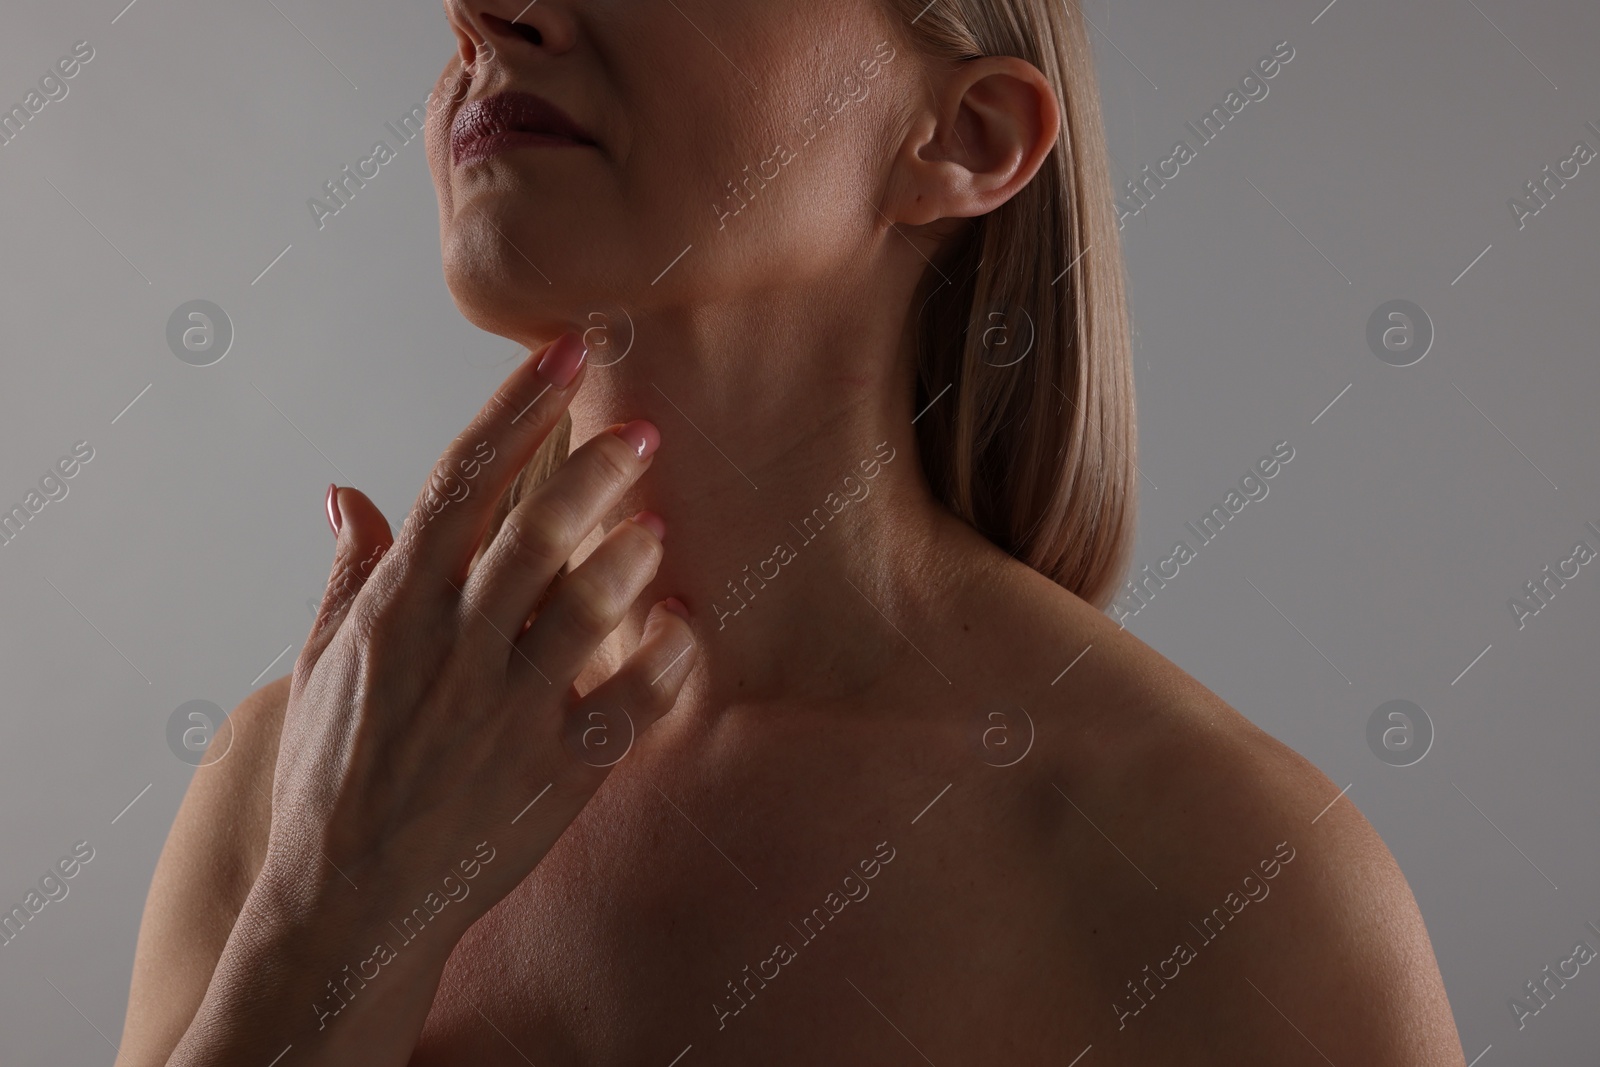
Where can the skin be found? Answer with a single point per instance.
(1024, 869)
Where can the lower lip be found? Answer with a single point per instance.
(481, 148)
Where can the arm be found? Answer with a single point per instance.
(205, 872)
(204, 891)
(1317, 951)
(429, 707)
(1340, 964)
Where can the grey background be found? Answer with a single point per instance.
(179, 565)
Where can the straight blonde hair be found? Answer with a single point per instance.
(1039, 454)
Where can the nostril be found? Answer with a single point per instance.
(528, 33)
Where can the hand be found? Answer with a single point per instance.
(431, 705)
(434, 745)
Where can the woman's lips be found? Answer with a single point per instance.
(508, 120)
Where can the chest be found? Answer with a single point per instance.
(791, 904)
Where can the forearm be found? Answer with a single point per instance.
(333, 983)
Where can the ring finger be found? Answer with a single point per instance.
(585, 606)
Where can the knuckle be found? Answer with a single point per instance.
(589, 607)
(374, 626)
(642, 541)
(614, 461)
(534, 544)
(353, 571)
(678, 625)
(382, 614)
(407, 548)
(343, 584)
(369, 559)
(639, 554)
(510, 400)
(434, 498)
(385, 584)
(451, 479)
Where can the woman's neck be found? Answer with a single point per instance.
(801, 531)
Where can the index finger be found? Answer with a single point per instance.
(450, 515)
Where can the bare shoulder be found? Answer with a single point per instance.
(212, 855)
(1234, 906)
(1304, 939)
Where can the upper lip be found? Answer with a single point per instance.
(512, 112)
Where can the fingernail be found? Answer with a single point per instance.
(562, 360)
(652, 522)
(676, 606)
(335, 520)
(642, 437)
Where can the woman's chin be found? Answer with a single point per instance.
(511, 298)
(494, 296)
(532, 314)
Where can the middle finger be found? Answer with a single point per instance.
(542, 531)
(447, 522)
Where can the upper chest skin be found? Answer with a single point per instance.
(785, 892)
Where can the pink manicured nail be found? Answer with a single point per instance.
(652, 522)
(642, 437)
(335, 520)
(562, 360)
(676, 606)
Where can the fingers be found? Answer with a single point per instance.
(643, 689)
(445, 525)
(362, 538)
(541, 532)
(584, 607)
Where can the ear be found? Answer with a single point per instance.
(986, 133)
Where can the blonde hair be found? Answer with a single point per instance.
(1037, 455)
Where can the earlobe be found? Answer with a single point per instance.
(997, 120)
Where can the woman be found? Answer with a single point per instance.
(826, 754)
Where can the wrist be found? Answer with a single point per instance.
(423, 905)
(327, 909)
(326, 972)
